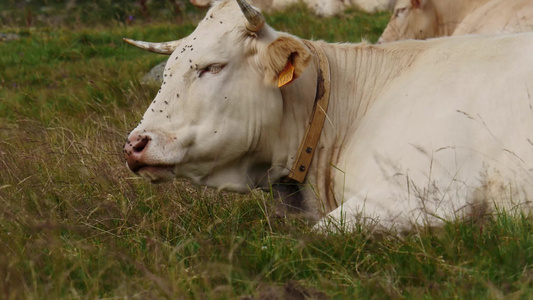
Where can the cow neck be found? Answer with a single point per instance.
(307, 148)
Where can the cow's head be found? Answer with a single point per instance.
(217, 116)
(412, 19)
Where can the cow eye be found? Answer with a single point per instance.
(398, 11)
(213, 69)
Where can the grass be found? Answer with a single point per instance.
(75, 223)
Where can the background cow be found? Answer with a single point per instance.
(422, 19)
(265, 5)
(498, 16)
(335, 7)
(416, 132)
(320, 7)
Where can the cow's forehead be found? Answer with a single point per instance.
(224, 16)
(223, 23)
(213, 41)
(207, 41)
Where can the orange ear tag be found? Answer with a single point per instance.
(287, 75)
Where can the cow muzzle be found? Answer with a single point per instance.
(134, 150)
(139, 162)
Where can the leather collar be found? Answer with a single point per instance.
(308, 145)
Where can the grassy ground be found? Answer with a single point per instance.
(74, 223)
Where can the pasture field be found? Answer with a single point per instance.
(74, 223)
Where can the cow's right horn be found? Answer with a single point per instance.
(255, 19)
(162, 48)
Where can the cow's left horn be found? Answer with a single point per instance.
(255, 19)
(162, 48)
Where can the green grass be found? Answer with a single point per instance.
(75, 223)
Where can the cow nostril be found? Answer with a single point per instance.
(140, 144)
(134, 151)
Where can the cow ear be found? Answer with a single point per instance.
(284, 60)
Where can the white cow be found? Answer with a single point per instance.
(266, 5)
(422, 19)
(324, 8)
(416, 132)
(334, 7)
(498, 16)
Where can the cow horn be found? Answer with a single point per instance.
(162, 48)
(255, 19)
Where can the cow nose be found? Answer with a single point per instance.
(133, 151)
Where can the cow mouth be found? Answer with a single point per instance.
(156, 173)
